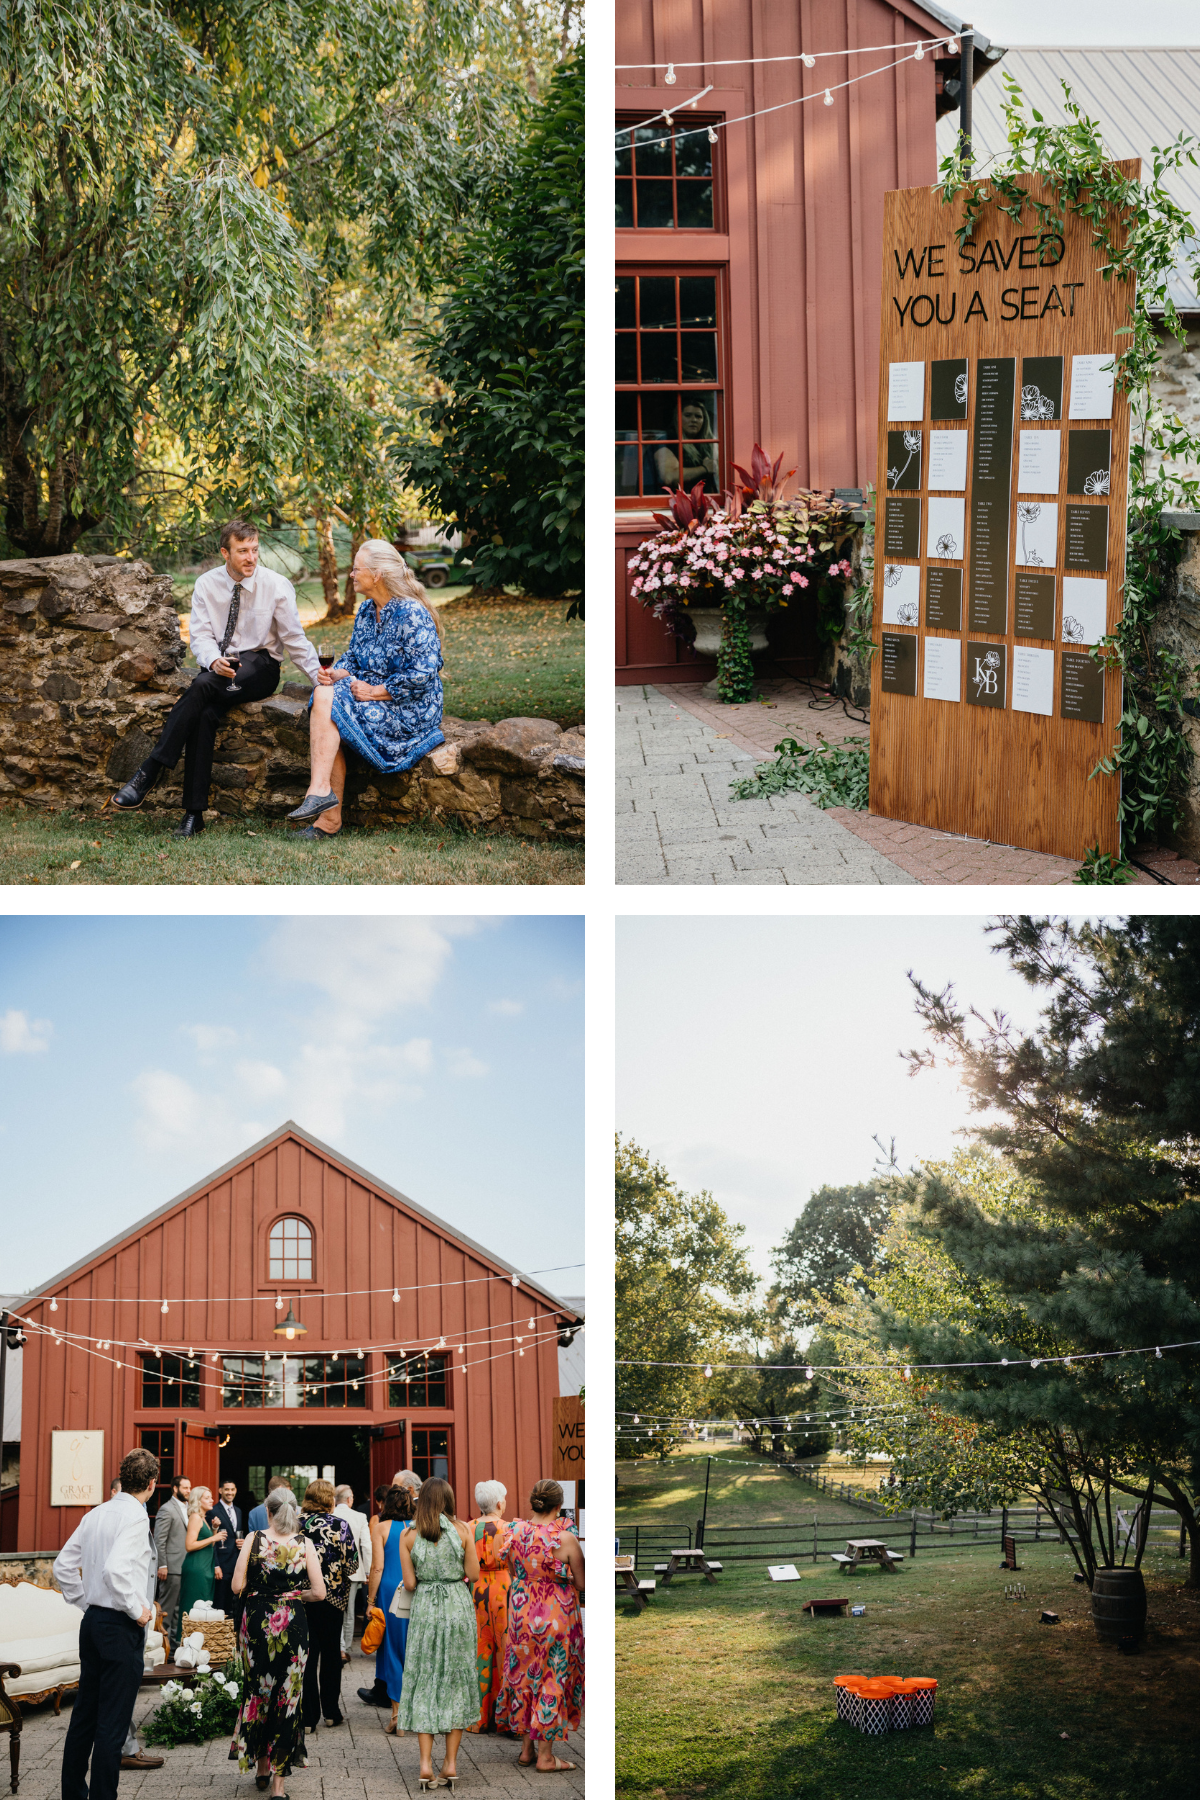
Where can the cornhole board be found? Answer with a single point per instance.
(820, 1607)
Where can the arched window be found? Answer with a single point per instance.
(291, 1250)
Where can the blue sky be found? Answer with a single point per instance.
(139, 1054)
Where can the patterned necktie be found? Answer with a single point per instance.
(231, 621)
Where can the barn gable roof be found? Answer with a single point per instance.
(289, 1129)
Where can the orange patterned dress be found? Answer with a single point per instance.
(489, 1591)
(542, 1695)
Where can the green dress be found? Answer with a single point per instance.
(198, 1580)
(440, 1691)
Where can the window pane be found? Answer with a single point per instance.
(699, 356)
(627, 483)
(661, 468)
(699, 417)
(624, 155)
(276, 1269)
(654, 204)
(626, 356)
(659, 358)
(653, 150)
(657, 301)
(700, 464)
(660, 416)
(626, 319)
(624, 203)
(697, 299)
(627, 415)
(693, 152)
(695, 205)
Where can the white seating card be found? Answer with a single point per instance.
(1037, 534)
(1033, 680)
(948, 461)
(945, 537)
(1084, 609)
(1091, 386)
(906, 391)
(901, 594)
(943, 669)
(1037, 467)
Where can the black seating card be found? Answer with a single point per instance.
(987, 667)
(1034, 605)
(902, 529)
(904, 459)
(1087, 539)
(1082, 688)
(991, 491)
(898, 663)
(1089, 461)
(943, 599)
(948, 389)
(1041, 387)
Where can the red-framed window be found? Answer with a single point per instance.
(290, 1250)
(668, 177)
(430, 1453)
(670, 397)
(424, 1383)
(169, 1383)
(283, 1382)
(160, 1441)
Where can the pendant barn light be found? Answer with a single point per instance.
(290, 1327)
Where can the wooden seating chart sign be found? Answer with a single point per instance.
(1000, 527)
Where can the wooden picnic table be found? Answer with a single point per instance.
(627, 1581)
(867, 1550)
(688, 1562)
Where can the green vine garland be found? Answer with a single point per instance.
(1140, 233)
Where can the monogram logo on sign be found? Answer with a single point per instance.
(987, 674)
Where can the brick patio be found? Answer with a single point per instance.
(355, 1762)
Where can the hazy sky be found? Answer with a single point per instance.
(757, 1057)
(138, 1055)
(1099, 22)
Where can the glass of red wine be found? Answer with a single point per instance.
(324, 656)
(233, 658)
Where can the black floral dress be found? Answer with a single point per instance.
(274, 1646)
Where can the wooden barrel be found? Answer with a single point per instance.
(1119, 1603)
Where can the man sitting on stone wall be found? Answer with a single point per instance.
(243, 620)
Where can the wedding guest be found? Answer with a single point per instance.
(225, 1514)
(198, 1581)
(107, 1569)
(277, 1570)
(439, 1695)
(542, 1696)
(336, 1553)
(387, 1591)
(243, 613)
(170, 1539)
(383, 697)
(490, 1594)
(360, 1527)
(258, 1517)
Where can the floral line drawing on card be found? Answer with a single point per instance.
(1072, 630)
(960, 388)
(891, 574)
(947, 546)
(912, 443)
(907, 614)
(1097, 482)
(1027, 512)
(1035, 404)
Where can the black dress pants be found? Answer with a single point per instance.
(191, 727)
(323, 1670)
(111, 1647)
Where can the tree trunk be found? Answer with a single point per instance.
(349, 595)
(327, 558)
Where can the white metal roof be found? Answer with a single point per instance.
(1141, 98)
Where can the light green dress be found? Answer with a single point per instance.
(440, 1693)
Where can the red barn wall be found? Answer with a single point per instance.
(211, 1246)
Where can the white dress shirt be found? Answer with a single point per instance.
(360, 1526)
(109, 1559)
(267, 619)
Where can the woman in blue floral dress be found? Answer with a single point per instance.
(383, 698)
(276, 1571)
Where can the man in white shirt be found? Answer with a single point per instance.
(107, 1567)
(244, 612)
(360, 1525)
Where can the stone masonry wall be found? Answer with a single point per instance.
(91, 660)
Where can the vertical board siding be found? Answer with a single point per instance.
(212, 1247)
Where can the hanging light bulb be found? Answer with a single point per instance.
(441, 1343)
(636, 1419)
(810, 62)
(707, 1371)
(395, 1296)
(919, 53)
(520, 1353)
(712, 136)
(808, 1373)
(158, 1352)
(828, 98)
(53, 1305)
(952, 46)
(279, 1303)
(907, 1372)
(164, 1307)
(1035, 1362)
(360, 1354)
(1158, 1352)
(216, 1356)
(533, 1325)
(668, 121)
(1004, 1362)
(516, 1281)
(671, 78)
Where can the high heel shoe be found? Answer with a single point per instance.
(427, 1783)
(262, 1783)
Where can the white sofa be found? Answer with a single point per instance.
(39, 1630)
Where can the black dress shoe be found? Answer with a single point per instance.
(131, 796)
(191, 825)
(311, 807)
(370, 1697)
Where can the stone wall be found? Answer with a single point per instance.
(91, 660)
(28, 1565)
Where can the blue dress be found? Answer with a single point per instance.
(389, 1658)
(400, 651)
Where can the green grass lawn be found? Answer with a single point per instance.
(727, 1690)
(44, 849)
(505, 658)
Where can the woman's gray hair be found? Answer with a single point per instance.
(283, 1511)
(383, 559)
(489, 1495)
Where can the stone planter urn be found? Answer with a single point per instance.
(707, 621)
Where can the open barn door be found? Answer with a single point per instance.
(387, 1456)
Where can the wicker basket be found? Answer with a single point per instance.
(220, 1639)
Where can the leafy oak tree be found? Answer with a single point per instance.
(839, 1232)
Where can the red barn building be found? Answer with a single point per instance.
(748, 269)
(370, 1385)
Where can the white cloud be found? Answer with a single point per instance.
(367, 966)
(464, 1063)
(22, 1036)
(508, 1009)
(210, 1039)
(172, 1112)
(260, 1080)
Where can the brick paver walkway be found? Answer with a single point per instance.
(355, 1762)
(677, 823)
